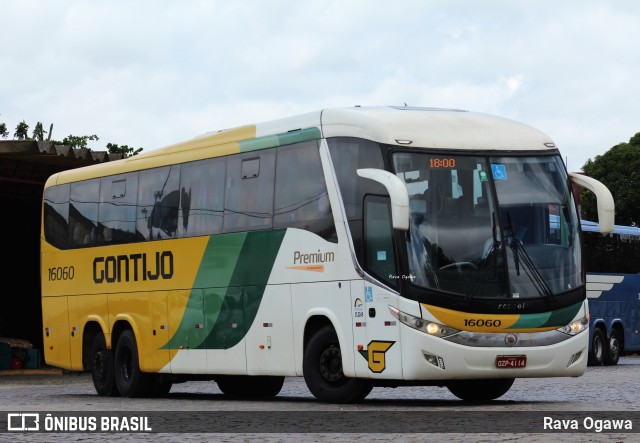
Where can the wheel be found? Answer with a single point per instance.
(322, 367)
(597, 351)
(102, 367)
(614, 348)
(480, 390)
(244, 386)
(130, 381)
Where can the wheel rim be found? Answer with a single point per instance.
(331, 365)
(598, 347)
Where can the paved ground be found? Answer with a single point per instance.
(613, 391)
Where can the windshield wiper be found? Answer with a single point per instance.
(530, 268)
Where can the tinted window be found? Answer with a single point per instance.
(202, 197)
(301, 199)
(118, 195)
(249, 191)
(83, 213)
(349, 155)
(158, 202)
(378, 244)
(56, 216)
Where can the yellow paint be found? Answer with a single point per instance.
(488, 322)
(210, 145)
(73, 302)
(377, 355)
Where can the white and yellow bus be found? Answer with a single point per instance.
(356, 247)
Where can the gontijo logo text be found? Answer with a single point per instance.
(133, 267)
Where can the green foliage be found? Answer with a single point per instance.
(125, 150)
(619, 170)
(22, 131)
(3, 130)
(38, 132)
(77, 141)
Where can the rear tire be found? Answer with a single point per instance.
(102, 372)
(243, 386)
(614, 348)
(480, 391)
(598, 348)
(130, 381)
(322, 367)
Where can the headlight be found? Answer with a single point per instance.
(576, 326)
(420, 324)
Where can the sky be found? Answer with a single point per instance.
(150, 73)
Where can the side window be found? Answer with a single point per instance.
(378, 240)
(56, 216)
(301, 199)
(83, 213)
(202, 197)
(158, 202)
(349, 154)
(249, 191)
(117, 214)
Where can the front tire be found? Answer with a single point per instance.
(322, 367)
(480, 391)
(598, 348)
(130, 381)
(102, 372)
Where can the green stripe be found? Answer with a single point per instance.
(555, 319)
(228, 289)
(287, 138)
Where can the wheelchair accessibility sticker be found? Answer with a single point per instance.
(499, 171)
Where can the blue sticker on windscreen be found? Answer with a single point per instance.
(499, 172)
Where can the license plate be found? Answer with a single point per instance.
(511, 361)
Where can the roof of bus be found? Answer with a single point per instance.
(395, 125)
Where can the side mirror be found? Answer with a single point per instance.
(606, 206)
(397, 193)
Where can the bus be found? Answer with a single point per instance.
(355, 247)
(612, 263)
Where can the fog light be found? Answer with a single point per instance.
(435, 360)
(574, 358)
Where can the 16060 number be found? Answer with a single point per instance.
(481, 322)
(61, 273)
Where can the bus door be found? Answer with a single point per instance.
(376, 331)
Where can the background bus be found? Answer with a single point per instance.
(613, 289)
(356, 247)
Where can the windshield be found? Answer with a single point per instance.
(490, 227)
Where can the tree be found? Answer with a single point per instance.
(125, 150)
(77, 141)
(38, 132)
(3, 130)
(619, 170)
(22, 131)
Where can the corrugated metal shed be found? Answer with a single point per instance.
(25, 165)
